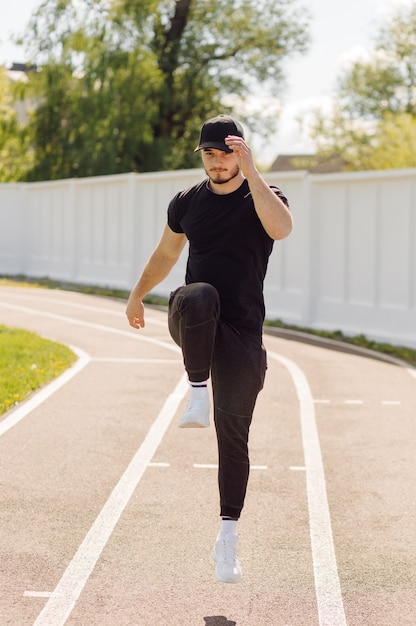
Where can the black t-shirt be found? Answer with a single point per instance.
(228, 248)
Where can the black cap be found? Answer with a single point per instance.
(215, 130)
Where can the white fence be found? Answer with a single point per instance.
(350, 263)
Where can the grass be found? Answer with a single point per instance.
(27, 361)
(406, 354)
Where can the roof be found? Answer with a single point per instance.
(310, 162)
(23, 67)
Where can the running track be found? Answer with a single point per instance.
(109, 511)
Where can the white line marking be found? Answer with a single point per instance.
(108, 329)
(16, 416)
(327, 585)
(29, 405)
(69, 588)
(85, 307)
(14, 291)
(37, 594)
(354, 401)
(297, 468)
(391, 402)
(121, 360)
(322, 401)
(158, 465)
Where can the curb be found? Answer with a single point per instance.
(333, 344)
(320, 342)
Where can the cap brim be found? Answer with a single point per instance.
(212, 144)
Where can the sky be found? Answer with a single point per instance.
(341, 31)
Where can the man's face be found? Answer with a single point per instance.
(220, 166)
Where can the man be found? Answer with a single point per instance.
(230, 220)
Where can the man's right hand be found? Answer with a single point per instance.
(161, 261)
(135, 313)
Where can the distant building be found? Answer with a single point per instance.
(18, 72)
(309, 162)
(23, 67)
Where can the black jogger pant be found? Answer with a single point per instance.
(236, 362)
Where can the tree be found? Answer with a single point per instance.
(126, 84)
(376, 103)
(394, 145)
(15, 157)
(96, 97)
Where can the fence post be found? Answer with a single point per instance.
(308, 256)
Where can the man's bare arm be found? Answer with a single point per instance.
(272, 211)
(161, 261)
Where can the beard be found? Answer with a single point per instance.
(220, 178)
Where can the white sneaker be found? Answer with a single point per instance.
(197, 410)
(228, 568)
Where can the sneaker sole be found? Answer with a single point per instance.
(228, 582)
(193, 425)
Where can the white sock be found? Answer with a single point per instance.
(202, 383)
(228, 527)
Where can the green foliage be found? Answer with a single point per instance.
(372, 126)
(26, 363)
(125, 84)
(393, 146)
(15, 157)
(368, 89)
(97, 124)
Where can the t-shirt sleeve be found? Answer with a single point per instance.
(174, 215)
(281, 195)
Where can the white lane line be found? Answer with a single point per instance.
(297, 468)
(29, 405)
(214, 466)
(327, 585)
(85, 307)
(16, 416)
(158, 464)
(37, 594)
(127, 360)
(169, 345)
(358, 402)
(14, 291)
(59, 606)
